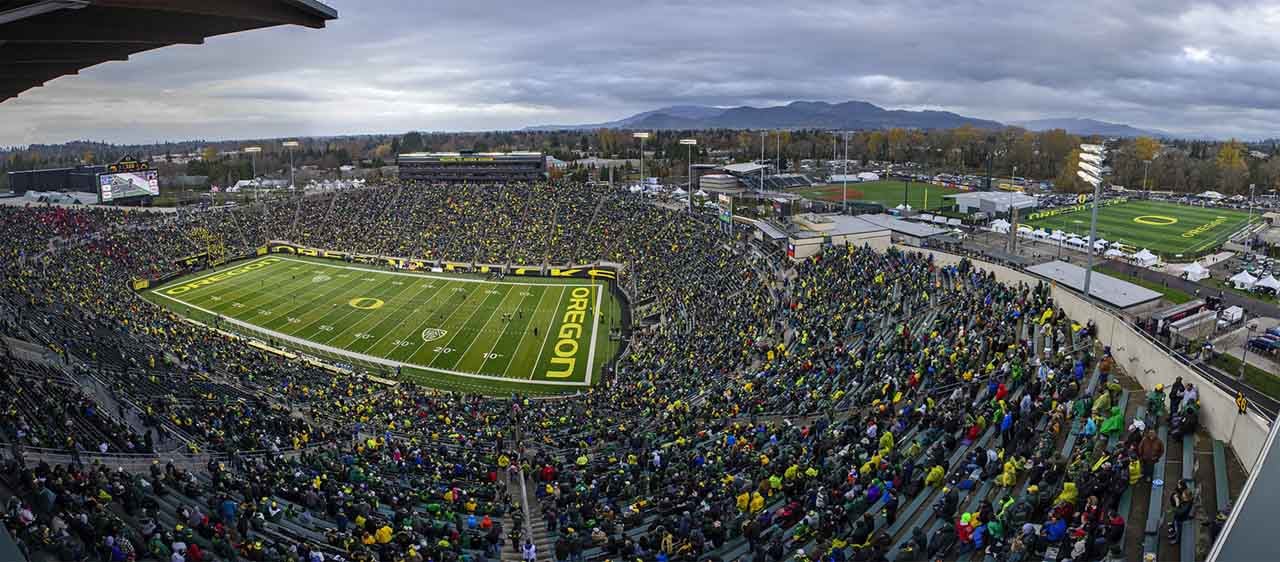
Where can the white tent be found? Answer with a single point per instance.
(678, 192)
(1058, 235)
(1115, 244)
(1243, 280)
(1268, 282)
(1114, 253)
(868, 176)
(700, 193)
(1195, 271)
(1075, 241)
(1145, 258)
(925, 217)
(1000, 225)
(636, 189)
(1042, 233)
(903, 207)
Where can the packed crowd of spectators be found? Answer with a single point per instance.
(777, 411)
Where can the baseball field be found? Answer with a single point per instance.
(888, 193)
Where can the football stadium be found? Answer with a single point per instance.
(495, 358)
(1169, 229)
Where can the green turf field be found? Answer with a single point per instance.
(1167, 229)
(884, 192)
(450, 331)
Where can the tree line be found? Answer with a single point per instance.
(1170, 165)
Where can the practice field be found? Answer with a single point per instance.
(884, 192)
(450, 331)
(1167, 229)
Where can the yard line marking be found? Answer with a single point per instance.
(352, 310)
(480, 331)
(445, 322)
(466, 325)
(512, 359)
(405, 315)
(338, 352)
(275, 298)
(438, 276)
(327, 294)
(533, 369)
(440, 289)
(498, 339)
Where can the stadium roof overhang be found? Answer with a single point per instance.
(44, 39)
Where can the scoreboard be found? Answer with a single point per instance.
(128, 179)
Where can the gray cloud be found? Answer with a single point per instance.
(392, 65)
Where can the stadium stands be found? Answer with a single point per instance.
(855, 405)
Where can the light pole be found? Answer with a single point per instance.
(764, 139)
(1244, 358)
(690, 143)
(1013, 227)
(1146, 167)
(844, 191)
(290, 145)
(642, 136)
(1090, 170)
(254, 150)
(1250, 223)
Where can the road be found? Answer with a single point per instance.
(1254, 307)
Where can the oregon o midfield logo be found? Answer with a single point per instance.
(433, 334)
(1155, 220)
(365, 303)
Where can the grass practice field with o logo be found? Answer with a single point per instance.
(450, 331)
(884, 192)
(1167, 229)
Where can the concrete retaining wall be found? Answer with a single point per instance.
(1146, 362)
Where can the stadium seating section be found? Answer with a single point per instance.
(857, 405)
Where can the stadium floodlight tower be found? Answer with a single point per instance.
(642, 136)
(1090, 170)
(254, 150)
(290, 144)
(690, 143)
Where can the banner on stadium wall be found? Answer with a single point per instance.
(261, 251)
(725, 202)
(193, 260)
(141, 284)
(604, 270)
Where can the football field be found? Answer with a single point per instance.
(446, 330)
(1168, 229)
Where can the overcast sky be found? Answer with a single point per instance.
(1210, 67)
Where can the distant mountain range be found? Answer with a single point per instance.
(1085, 127)
(823, 115)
